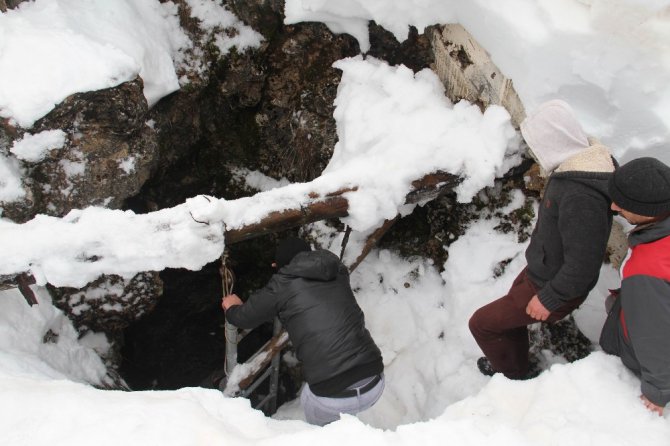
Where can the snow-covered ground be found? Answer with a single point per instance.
(434, 394)
(610, 59)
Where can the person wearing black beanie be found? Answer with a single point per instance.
(641, 187)
(289, 248)
(637, 328)
(311, 295)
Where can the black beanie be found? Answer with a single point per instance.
(642, 186)
(288, 248)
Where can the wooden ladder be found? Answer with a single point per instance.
(243, 379)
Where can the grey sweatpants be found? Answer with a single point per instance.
(321, 410)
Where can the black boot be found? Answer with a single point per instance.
(485, 366)
(487, 369)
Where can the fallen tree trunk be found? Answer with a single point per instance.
(335, 205)
(331, 206)
(97, 252)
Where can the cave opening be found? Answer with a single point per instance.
(181, 343)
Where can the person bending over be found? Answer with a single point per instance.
(311, 295)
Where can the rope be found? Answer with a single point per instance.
(227, 276)
(227, 283)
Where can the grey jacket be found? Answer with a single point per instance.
(638, 326)
(568, 243)
(314, 301)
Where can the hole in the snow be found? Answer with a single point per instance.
(181, 343)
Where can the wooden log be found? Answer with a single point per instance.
(372, 241)
(467, 71)
(432, 186)
(331, 206)
(21, 281)
(24, 281)
(335, 205)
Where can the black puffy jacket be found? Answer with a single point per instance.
(313, 300)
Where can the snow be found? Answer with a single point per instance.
(34, 148)
(11, 188)
(26, 356)
(95, 241)
(609, 59)
(104, 44)
(392, 120)
(127, 164)
(213, 16)
(434, 393)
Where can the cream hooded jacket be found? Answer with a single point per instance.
(568, 243)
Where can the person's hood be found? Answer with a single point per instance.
(553, 134)
(314, 265)
(591, 167)
(595, 158)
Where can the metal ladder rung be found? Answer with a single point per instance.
(246, 392)
(266, 400)
(233, 336)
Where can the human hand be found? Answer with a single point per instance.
(536, 310)
(651, 406)
(230, 301)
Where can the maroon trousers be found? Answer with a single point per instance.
(500, 328)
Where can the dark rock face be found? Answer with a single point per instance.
(268, 110)
(109, 153)
(431, 228)
(9, 4)
(110, 303)
(181, 340)
(563, 338)
(296, 117)
(415, 52)
(265, 16)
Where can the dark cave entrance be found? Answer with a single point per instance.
(181, 343)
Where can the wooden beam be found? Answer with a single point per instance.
(21, 281)
(331, 206)
(335, 205)
(372, 241)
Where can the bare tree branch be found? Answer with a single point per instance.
(372, 241)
